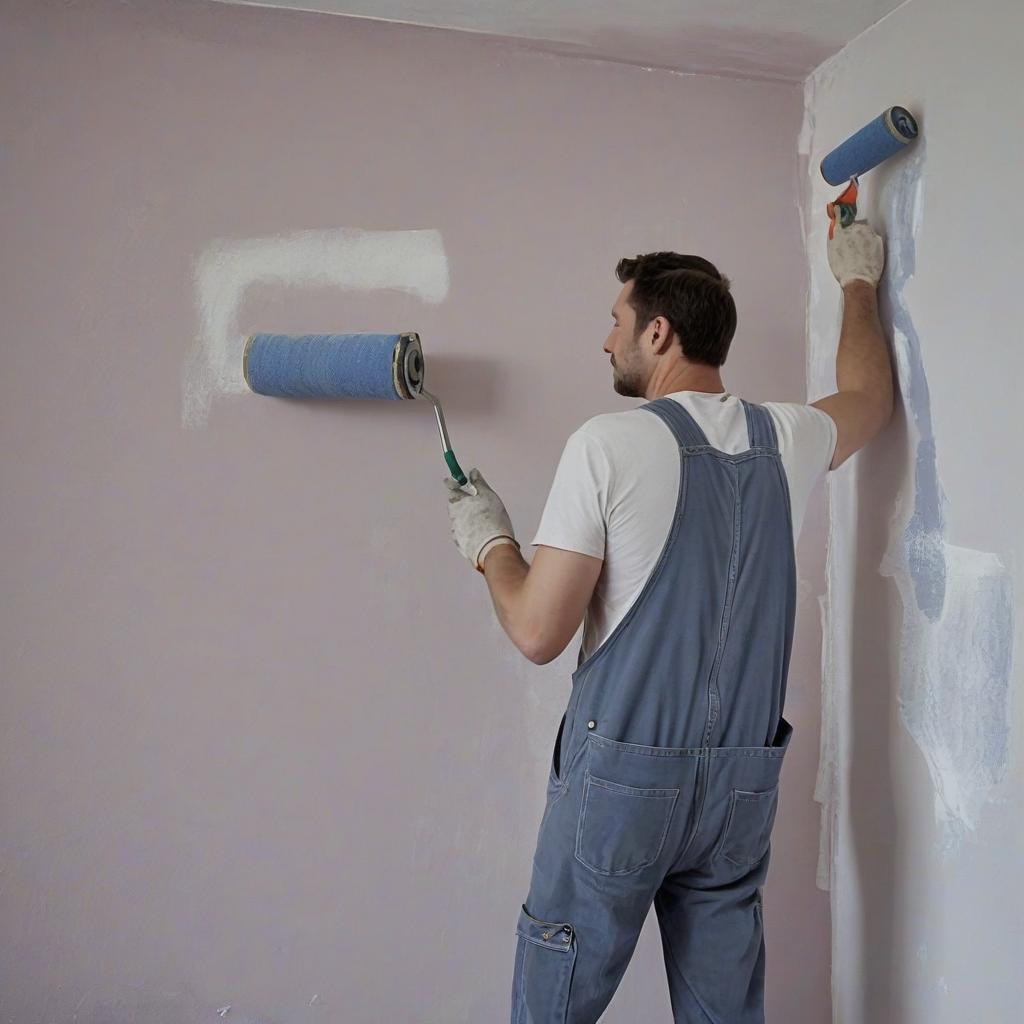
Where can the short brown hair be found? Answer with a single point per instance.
(690, 293)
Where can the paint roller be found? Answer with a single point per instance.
(889, 133)
(389, 366)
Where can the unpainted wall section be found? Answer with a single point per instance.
(266, 745)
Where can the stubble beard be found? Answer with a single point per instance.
(627, 381)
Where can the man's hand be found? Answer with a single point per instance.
(476, 517)
(856, 253)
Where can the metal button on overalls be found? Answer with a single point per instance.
(672, 799)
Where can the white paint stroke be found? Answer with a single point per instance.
(351, 258)
(820, 369)
(826, 784)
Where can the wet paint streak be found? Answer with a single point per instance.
(924, 535)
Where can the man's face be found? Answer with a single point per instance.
(630, 372)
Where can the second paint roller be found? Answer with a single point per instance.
(389, 366)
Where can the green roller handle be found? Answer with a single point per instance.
(453, 465)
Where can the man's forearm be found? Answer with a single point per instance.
(862, 362)
(505, 570)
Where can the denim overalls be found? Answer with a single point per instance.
(664, 778)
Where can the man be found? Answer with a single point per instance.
(673, 526)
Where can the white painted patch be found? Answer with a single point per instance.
(352, 258)
(954, 674)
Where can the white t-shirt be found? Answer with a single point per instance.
(615, 489)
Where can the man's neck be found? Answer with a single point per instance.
(709, 381)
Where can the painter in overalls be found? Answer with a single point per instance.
(664, 778)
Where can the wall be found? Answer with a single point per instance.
(920, 777)
(266, 745)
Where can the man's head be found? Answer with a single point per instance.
(673, 313)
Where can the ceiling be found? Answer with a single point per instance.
(780, 40)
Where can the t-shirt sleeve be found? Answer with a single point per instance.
(575, 514)
(807, 440)
(808, 436)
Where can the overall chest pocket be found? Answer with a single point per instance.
(748, 826)
(622, 829)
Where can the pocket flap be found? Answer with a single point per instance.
(553, 934)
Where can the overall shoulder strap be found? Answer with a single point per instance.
(678, 419)
(760, 426)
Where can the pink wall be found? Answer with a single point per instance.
(264, 739)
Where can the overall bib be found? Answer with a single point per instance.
(664, 778)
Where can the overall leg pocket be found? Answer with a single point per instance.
(545, 958)
(748, 826)
(622, 829)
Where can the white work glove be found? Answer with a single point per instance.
(856, 253)
(477, 518)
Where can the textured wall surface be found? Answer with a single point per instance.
(265, 744)
(920, 776)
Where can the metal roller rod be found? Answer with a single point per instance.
(446, 445)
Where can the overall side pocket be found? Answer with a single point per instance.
(555, 766)
(545, 958)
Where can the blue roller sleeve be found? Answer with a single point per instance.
(327, 365)
(890, 132)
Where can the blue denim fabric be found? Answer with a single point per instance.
(664, 779)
